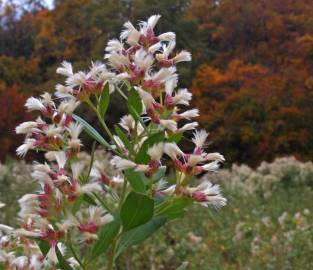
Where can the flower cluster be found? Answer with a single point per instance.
(77, 198)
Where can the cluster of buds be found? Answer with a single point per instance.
(77, 198)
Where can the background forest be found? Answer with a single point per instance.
(251, 73)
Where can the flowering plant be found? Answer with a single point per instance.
(81, 211)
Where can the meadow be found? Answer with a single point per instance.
(267, 223)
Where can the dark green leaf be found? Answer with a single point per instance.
(123, 138)
(134, 103)
(173, 208)
(104, 100)
(142, 156)
(136, 210)
(77, 204)
(63, 264)
(87, 198)
(137, 180)
(91, 131)
(106, 236)
(139, 234)
(44, 246)
(175, 137)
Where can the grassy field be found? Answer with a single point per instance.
(267, 223)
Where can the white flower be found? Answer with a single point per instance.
(215, 156)
(98, 216)
(212, 166)
(183, 56)
(34, 104)
(127, 122)
(156, 151)
(51, 255)
(143, 60)
(131, 34)
(170, 85)
(153, 20)
(114, 45)
(76, 80)
(168, 36)
(199, 138)
(123, 164)
(208, 194)
(164, 74)
(88, 188)
(183, 97)
(66, 69)
(77, 169)
(168, 191)
(146, 97)
(189, 126)
(6, 229)
(172, 150)
(60, 158)
(25, 147)
(20, 262)
(63, 91)
(68, 105)
(2, 204)
(193, 160)
(189, 114)
(26, 127)
(75, 129)
(47, 99)
(167, 50)
(169, 124)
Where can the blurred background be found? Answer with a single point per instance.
(252, 79)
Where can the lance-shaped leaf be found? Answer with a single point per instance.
(104, 100)
(123, 138)
(142, 156)
(63, 264)
(136, 210)
(91, 131)
(139, 234)
(106, 236)
(137, 180)
(173, 208)
(134, 103)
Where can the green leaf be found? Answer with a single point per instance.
(183, 266)
(136, 210)
(87, 198)
(77, 204)
(63, 264)
(104, 100)
(173, 208)
(134, 103)
(159, 174)
(142, 156)
(175, 137)
(123, 138)
(106, 236)
(139, 234)
(137, 180)
(91, 131)
(44, 246)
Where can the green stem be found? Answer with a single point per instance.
(74, 253)
(104, 125)
(112, 255)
